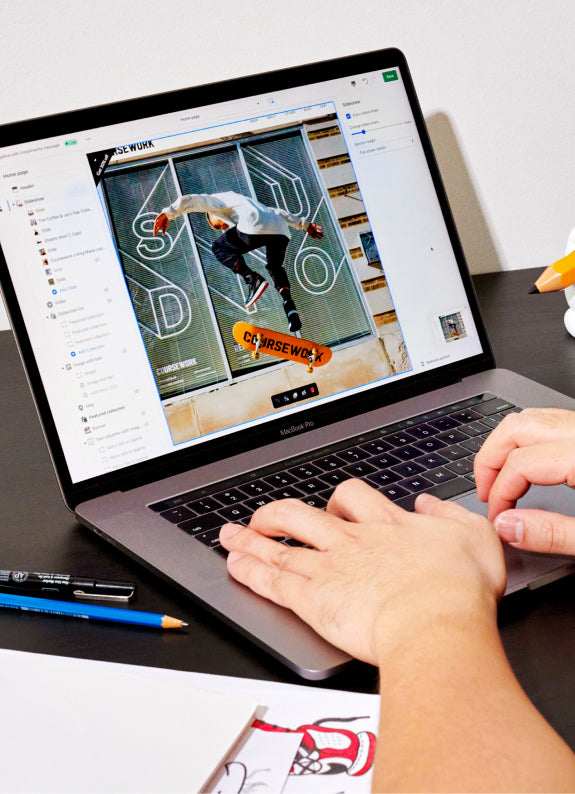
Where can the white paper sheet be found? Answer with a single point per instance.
(78, 726)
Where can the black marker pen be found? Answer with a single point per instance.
(49, 584)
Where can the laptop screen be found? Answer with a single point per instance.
(200, 272)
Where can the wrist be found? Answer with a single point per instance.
(422, 624)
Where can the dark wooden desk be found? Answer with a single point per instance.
(38, 533)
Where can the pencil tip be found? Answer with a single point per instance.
(533, 290)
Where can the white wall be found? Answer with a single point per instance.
(495, 79)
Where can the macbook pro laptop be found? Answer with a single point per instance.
(185, 378)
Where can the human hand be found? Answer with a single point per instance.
(161, 223)
(375, 570)
(315, 231)
(536, 446)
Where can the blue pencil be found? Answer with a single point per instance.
(88, 611)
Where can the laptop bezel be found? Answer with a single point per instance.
(181, 460)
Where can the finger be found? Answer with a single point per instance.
(355, 500)
(426, 504)
(537, 530)
(543, 464)
(530, 427)
(282, 587)
(244, 540)
(297, 520)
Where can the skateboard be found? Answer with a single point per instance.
(286, 346)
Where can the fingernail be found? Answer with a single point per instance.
(427, 497)
(509, 527)
(234, 556)
(424, 499)
(228, 530)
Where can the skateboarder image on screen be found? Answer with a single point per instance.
(246, 224)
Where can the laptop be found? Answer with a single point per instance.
(185, 377)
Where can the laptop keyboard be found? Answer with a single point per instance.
(432, 452)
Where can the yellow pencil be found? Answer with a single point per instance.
(559, 275)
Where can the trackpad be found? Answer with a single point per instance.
(529, 569)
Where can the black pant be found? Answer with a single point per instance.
(230, 247)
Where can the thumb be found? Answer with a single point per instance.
(537, 530)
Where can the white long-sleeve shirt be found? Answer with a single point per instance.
(249, 215)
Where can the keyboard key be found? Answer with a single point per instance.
(447, 490)
(430, 445)
(210, 538)
(431, 461)
(230, 497)
(316, 500)
(440, 474)
(280, 479)
(235, 512)
(423, 431)
(158, 507)
(255, 488)
(473, 428)
(382, 478)
(473, 444)
(289, 492)
(177, 514)
(304, 471)
(360, 469)
(201, 523)
(445, 423)
(407, 501)
(258, 501)
(206, 505)
(400, 439)
(408, 452)
(462, 466)
(452, 436)
(335, 477)
(375, 447)
(353, 454)
(383, 461)
(493, 407)
(493, 421)
(467, 415)
(408, 469)
(312, 485)
(455, 452)
(221, 551)
(394, 492)
(416, 484)
(329, 462)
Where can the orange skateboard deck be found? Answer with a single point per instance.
(286, 346)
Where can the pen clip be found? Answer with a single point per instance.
(102, 596)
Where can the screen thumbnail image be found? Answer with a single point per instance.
(191, 285)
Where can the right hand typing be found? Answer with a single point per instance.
(536, 446)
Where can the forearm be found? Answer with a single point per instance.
(454, 718)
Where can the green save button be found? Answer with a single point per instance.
(389, 76)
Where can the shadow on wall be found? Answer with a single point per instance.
(478, 245)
